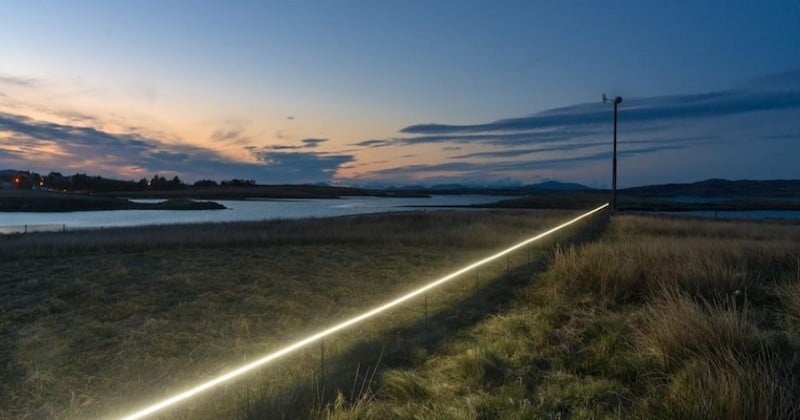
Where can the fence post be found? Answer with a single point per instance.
(322, 365)
(426, 319)
(247, 402)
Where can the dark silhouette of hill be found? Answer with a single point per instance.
(722, 188)
(556, 186)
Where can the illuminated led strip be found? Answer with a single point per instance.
(308, 340)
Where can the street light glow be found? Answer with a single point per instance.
(369, 314)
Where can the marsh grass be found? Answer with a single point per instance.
(676, 327)
(657, 318)
(728, 385)
(97, 323)
(633, 269)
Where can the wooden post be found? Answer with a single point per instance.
(426, 319)
(322, 363)
(247, 401)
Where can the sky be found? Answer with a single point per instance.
(402, 92)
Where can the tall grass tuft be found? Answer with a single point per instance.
(597, 270)
(482, 367)
(634, 270)
(676, 327)
(790, 295)
(732, 386)
(403, 386)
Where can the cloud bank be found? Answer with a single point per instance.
(569, 137)
(28, 143)
(657, 135)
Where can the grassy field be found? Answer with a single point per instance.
(98, 323)
(643, 203)
(628, 317)
(658, 318)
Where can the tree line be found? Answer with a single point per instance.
(84, 182)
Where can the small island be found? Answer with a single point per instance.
(49, 201)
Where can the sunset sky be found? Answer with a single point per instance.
(401, 92)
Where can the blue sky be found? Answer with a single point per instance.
(401, 92)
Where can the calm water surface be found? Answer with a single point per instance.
(247, 210)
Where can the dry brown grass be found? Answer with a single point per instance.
(676, 327)
(637, 260)
(97, 322)
(732, 386)
(659, 318)
(791, 301)
(467, 229)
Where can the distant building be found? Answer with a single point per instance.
(11, 180)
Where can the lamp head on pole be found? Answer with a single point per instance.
(617, 100)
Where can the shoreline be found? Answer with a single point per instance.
(55, 202)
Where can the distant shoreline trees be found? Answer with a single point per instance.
(10, 179)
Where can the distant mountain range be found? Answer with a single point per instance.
(500, 186)
(556, 185)
(708, 188)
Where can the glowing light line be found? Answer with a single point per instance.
(308, 340)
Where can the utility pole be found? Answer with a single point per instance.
(617, 101)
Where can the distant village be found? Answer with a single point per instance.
(55, 181)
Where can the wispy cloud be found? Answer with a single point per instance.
(281, 147)
(493, 170)
(312, 143)
(571, 137)
(230, 136)
(74, 117)
(504, 139)
(374, 143)
(639, 115)
(654, 109)
(522, 152)
(684, 142)
(782, 137)
(22, 81)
